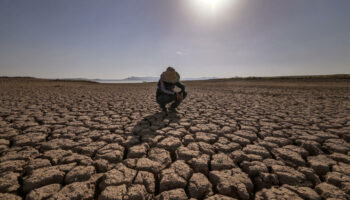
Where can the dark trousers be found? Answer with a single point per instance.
(163, 99)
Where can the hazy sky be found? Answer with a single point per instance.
(121, 38)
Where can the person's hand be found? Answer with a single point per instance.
(179, 96)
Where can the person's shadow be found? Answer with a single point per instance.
(148, 128)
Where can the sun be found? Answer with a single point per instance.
(210, 6)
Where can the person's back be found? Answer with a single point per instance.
(165, 91)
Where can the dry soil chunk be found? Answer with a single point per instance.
(250, 135)
(342, 168)
(220, 197)
(340, 157)
(111, 152)
(175, 176)
(200, 164)
(25, 153)
(41, 177)
(240, 140)
(336, 178)
(137, 192)
(170, 143)
(253, 168)
(37, 163)
(268, 145)
(113, 193)
(301, 151)
(79, 173)
(65, 167)
(56, 155)
(265, 180)
(29, 139)
(199, 186)
(310, 175)
(277, 193)
(12, 166)
(75, 191)
(160, 155)
(43, 192)
(76, 158)
(177, 194)
(336, 145)
(205, 137)
(330, 191)
(101, 165)
(226, 148)
(8, 196)
(288, 175)
(184, 153)
(9, 182)
(320, 164)
(256, 149)
(202, 147)
(325, 136)
(4, 142)
(187, 139)
(130, 141)
(239, 156)
(232, 183)
(90, 148)
(313, 147)
(58, 143)
(221, 161)
(149, 165)
(138, 151)
(146, 179)
(290, 157)
(181, 168)
(346, 187)
(278, 140)
(304, 192)
(271, 162)
(176, 133)
(118, 176)
(109, 138)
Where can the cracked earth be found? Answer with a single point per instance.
(74, 140)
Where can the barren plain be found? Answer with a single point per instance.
(264, 139)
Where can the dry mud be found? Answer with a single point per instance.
(63, 140)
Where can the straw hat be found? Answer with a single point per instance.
(170, 76)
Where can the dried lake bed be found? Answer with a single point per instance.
(246, 139)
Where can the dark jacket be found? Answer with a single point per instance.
(168, 87)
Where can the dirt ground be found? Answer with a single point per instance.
(229, 140)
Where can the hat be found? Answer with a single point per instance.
(170, 76)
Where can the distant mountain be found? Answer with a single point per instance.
(197, 79)
(135, 79)
(144, 78)
(153, 79)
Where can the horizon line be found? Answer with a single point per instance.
(347, 75)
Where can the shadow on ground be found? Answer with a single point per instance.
(149, 127)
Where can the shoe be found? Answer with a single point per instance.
(163, 109)
(172, 110)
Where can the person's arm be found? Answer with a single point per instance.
(162, 88)
(182, 87)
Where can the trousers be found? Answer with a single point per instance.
(163, 99)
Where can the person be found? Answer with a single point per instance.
(165, 91)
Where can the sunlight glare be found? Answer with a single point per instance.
(210, 6)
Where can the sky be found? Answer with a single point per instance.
(112, 39)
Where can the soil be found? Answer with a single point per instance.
(230, 139)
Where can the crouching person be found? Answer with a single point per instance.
(165, 91)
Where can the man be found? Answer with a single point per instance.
(165, 91)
